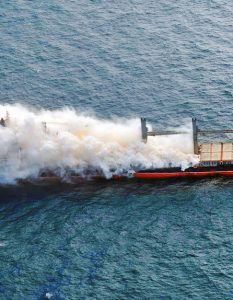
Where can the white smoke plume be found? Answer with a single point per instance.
(73, 141)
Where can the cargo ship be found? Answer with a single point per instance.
(215, 159)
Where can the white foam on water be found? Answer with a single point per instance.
(79, 142)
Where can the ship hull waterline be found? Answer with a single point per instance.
(182, 174)
(153, 176)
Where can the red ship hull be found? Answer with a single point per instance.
(182, 174)
(159, 174)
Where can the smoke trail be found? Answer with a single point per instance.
(72, 141)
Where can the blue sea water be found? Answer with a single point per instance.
(165, 60)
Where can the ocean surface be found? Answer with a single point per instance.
(165, 60)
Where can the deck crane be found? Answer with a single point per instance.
(196, 131)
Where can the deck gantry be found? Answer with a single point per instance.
(196, 132)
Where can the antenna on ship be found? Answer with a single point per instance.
(144, 130)
(3, 122)
(195, 133)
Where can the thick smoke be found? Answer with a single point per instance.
(70, 141)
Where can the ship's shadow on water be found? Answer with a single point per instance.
(32, 192)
